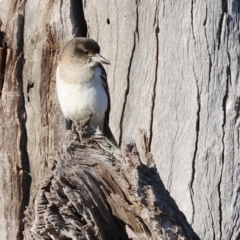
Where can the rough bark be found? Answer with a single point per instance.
(174, 73)
(92, 192)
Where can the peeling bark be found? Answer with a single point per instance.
(174, 74)
(92, 192)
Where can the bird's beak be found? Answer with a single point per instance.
(100, 59)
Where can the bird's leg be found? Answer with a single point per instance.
(68, 124)
(84, 128)
(85, 122)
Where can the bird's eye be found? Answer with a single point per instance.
(86, 52)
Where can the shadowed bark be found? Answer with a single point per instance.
(174, 76)
(90, 191)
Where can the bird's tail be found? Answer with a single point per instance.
(109, 135)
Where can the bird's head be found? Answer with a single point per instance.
(82, 50)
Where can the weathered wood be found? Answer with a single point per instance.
(182, 87)
(91, 193)
(14, 171)
(174, 73)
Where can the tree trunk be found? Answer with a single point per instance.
(91, 192)
(174, 73)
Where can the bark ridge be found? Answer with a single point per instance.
(91, 191)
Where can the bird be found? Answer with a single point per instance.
(81, 83)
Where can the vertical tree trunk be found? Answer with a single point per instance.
(174, 73)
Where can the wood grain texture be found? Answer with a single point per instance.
(182, 87)
(92, 192)
(14, 171)
(174, 73)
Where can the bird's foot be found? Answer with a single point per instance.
(84, 128)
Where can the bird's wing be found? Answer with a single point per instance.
(107, 130)
(105, 85)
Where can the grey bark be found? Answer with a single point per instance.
(90, 191)
(174, 73)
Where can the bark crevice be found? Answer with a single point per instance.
(135, 37)
(192, 20)
(24, 178)
(196, 145)
(79, 25)
(224, 103)
(221, 21)
(84, 192)
(3, 58)
(157, 30)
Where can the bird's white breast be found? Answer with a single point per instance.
(80, 99)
